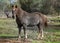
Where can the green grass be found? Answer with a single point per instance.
(55, 21)
(8, 26)
(55, 18)
(8, 29)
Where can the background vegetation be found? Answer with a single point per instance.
(51, 8)
(44, 6)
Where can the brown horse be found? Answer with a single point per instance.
(25, 19)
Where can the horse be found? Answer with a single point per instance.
(25, 19)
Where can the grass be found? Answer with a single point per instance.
(54, 18)
(55, 21)
(8, 26)
(8, 29)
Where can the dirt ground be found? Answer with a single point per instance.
(14, 41)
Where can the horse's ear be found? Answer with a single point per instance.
(16, 6)
(12, 6)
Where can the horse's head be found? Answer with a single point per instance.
(14, 9)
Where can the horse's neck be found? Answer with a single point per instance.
(21, 12)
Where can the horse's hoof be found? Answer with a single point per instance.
(25, 40)
(19, 39)
(39, 38)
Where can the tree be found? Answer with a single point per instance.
(57, 6)
(25, 4)
(3, 4)
(35, 5)
(44, 6)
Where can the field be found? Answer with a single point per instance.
(9, 33)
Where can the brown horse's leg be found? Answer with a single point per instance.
(42, 35)
(25, 32)
(19, 33)
(40, 27)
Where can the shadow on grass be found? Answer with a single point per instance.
(8, 37)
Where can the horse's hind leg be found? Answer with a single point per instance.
(40, 29)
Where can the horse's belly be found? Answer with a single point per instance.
(30, 20)
(33, 21)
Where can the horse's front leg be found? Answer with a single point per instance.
(25, 31)
(19, 31)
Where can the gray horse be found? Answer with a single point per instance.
(25, 19)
